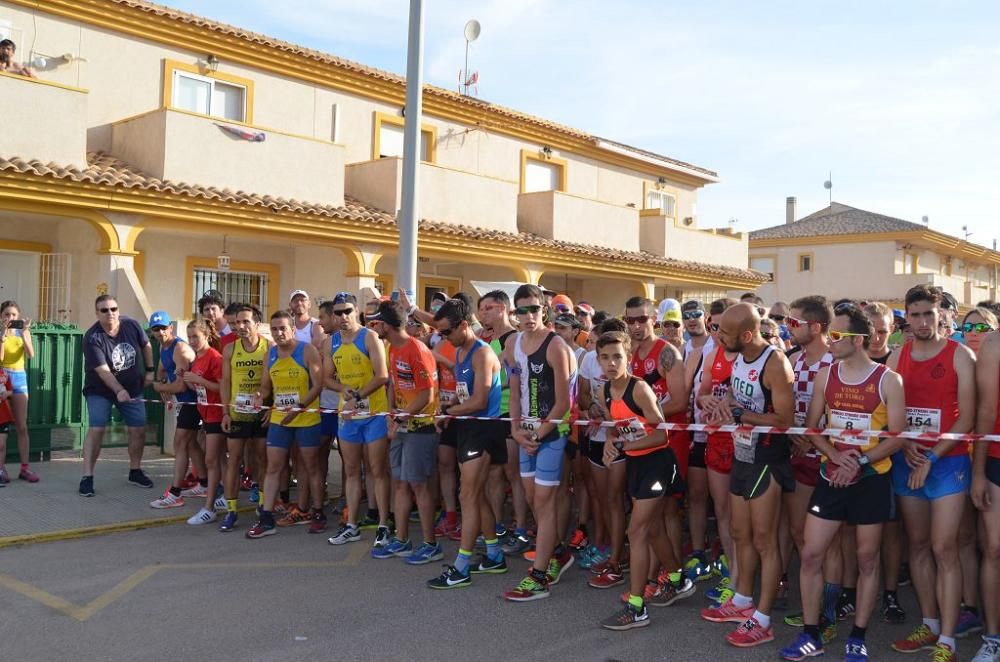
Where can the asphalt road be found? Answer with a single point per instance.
(185, 593)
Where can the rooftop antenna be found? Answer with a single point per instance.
(926, 220)
(965, 230)
(828, 185)
(466, 79)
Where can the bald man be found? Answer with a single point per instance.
(760, 394)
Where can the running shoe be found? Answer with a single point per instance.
(450, 578)
(198, 491)
(220, 504)
(943, 653)
(414, 516)
(920, 639)
(168, 500)
(529, 589)
(345, 534)
(368, 522)
(318, 523)
(795, 620)
(721, 566)
(395, 547)
(715, 592)
(28, 475)
(488, 567)
(529, 556)
(455, 534)
(728, 613)
(989, 651)
(697, 569)
(855, 650)
(670, 593)
(260, 530)
(87, 486)
(442, 528)
(649, 591)
(382, 537)
(139, 478)
(750, 634)
(804, 646)
(845, 607)
(424, 554)
(203, 516)
(591, 557)
(228, 522)
(295, 516)
(627, 618)
(515, 544)
(558, 565)
(611, 577)
(828, 630)
(4, 476)
(579, 540)
(726, 595)
(246, 483)
(904, 574)
(255, 494)
(968, 623)
(280, 507)
(891, 611)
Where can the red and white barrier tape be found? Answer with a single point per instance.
(693, 427)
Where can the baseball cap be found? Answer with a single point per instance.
(561, 300)
(344, 297)
(585, 307)
(671, 315)
(667, 304)
(159, 318)
(693, 304)
(565, 319)
(296, 293)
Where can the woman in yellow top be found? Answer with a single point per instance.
(294, 376)
(14, 350)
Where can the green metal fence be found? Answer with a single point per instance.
(57, 410)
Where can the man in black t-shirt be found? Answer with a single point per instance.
(116, 375)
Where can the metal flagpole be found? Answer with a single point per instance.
(408, 218)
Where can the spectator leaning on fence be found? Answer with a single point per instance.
(115, 375)
(16, 348)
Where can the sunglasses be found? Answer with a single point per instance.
(533, 309)
(794, 322)
(766, 336)
(641, 319)
(561, 308)
(343, 312)
(156, 329)
(693, 314)
(109, 310)
(445, 333)
(664, 325)
(777, 318)
(978, 327)
(837, 336)
(714, 328)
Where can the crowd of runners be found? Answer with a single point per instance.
(459, 420)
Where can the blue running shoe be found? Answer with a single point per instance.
(968, 623)
(698, 570)
(254, 494)
(804, 646)
(586, 558)
(855, 650)
(715, 593)
(395, 547)
(228, 522)
(424, 554)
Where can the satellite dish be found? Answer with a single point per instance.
(472, 30)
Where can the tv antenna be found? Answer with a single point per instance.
(926, 220)
(467, 79)
(828, 185)
(965, 230)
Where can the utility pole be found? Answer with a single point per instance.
(408, 218)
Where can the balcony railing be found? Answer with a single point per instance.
(44, 121)
(661, 235)
(558, 215)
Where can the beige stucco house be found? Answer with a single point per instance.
(844, 252)
(152, 142)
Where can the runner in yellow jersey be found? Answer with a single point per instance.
(356, 368)
(242, 366)
(294, 376)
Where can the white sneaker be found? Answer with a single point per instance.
(168, 500)
(196, 491)
(220, 504)
(989, 651)
(203, 516)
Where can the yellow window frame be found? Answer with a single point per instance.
(812, 262)
(537, 155)
(171, 66)
(427, 131)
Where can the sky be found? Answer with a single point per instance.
(899, 99)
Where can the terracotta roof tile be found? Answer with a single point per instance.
(106, 170)
(325, 58)
(835, 220)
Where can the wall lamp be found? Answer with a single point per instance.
(547, 151)
(212, 63)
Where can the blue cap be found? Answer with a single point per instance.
(159, 318)
(344, 297)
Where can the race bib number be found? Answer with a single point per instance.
(283, 400)
(919, 419)
(461, 392)
(850, 420)
(530, 424)
(742, 438)
(361, 406)
(448, 398)
(202, 395)
(632, 430)
(172, 405)
(243, 403)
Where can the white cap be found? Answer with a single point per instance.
(296, 293)
(667, 304)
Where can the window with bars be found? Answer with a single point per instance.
(55, 270)
(242, 286)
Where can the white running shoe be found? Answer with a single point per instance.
(203, 516)
(989, 652)
(168, 500)
(196, 491)
(220, 504)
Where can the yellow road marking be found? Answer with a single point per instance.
(85, 612)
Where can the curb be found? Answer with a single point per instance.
(101, 529)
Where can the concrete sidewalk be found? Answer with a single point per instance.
(52, 509)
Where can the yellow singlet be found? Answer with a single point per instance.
(245, 370)
(290, 383)
(354, 370)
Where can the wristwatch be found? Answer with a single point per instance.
(864, 460)
(737, 413)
